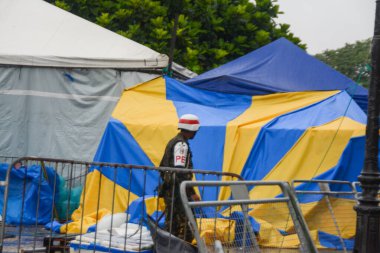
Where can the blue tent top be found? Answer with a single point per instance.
(279, 66)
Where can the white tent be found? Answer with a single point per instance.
(60, 78)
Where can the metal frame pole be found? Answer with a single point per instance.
(175, 7)
(367, 238)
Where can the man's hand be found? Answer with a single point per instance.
(195, 197)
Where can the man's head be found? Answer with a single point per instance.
(189, 125)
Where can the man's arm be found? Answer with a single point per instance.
(182, 160)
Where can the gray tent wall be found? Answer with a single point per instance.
(58, 113)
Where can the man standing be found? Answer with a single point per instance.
(178, 155)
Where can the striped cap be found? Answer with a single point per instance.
(189, 122)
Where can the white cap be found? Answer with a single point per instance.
(189, 122)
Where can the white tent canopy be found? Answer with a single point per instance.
(60, 78)
(36, 33)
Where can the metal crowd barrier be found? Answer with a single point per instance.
(6, 160)
(330, 206)
(42, 190)
(356, 186)
(243, 224)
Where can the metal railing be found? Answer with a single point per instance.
(7, 159)
(328, 207)
(53, 191)
(243, 224)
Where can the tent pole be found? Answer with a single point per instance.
(367, 238)
(172, 43)
(175, 7)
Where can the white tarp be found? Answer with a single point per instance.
(36, 33)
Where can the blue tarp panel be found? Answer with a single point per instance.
(279, 66)
(31, 195)
(24, 184)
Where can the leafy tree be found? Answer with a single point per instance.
(352, 60)
(210, 32)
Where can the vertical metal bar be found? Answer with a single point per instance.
(53, 209)
(62, 167)
(22, 209)
(329, 206)
(5, 205)
(240, 192)
(229, 226)
(37, 207)
(98, 204)
(113, 204)
(300, 225)
(171, 210)
(69, 198)
(46, 176)
(245, 214)
(286, 228)
(157, 208)
(200, 243)
(129, 195)
(82, 177)
(216, 208)
(202, 194)
(83, 207)
(325, 187)
(143, 209)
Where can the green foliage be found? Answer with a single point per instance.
(62, 5)
(351, 60)
(210, 32)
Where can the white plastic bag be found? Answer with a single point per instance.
(117, 219)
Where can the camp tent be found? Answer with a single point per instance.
(282, 136)
(279, 66)
(252, 136)
(60, 78)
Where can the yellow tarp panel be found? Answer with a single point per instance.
(241, 132)
(318, 216)
(271, 238)
(149, 117)
(314, 213)
(216, 229)
(81, 225)
(317, 150)
(152, 205)
(90, 203)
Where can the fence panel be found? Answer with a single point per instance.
(53, 205)
(244, 224)
(328, 208)
(6, 160)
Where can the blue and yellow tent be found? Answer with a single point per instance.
(282, 136)
(279, 66)
(253, 136)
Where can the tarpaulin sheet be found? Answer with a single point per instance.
(30, 194)
(279, 66)
(282, 136)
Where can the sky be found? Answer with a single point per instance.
(328, 24)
